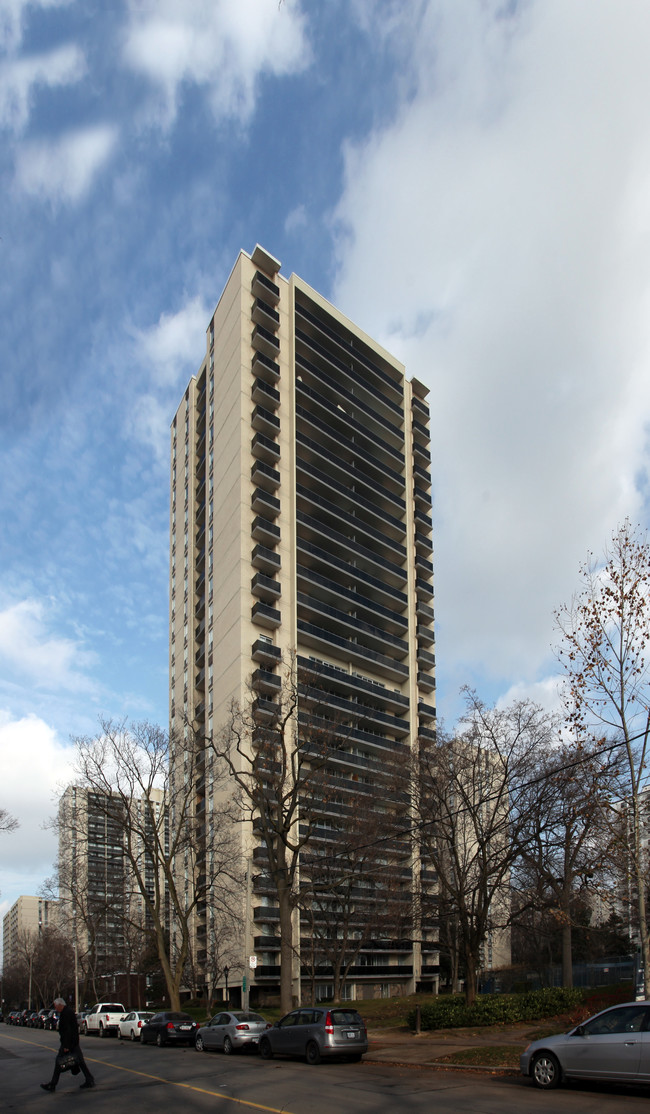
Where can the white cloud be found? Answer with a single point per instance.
(30, 651)
(35, 765)
(63, 170)
(222, 46)
(175, 343)
(495, 236)
(21, 77)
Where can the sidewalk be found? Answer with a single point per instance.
(395, 1046)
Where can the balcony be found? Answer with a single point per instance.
(425, 634)
(311, 608)
(426, 682)
(264, 421)
(265, 559)
(332, 644)
(332, 388)
(355, 710)
(425, 659)
(330, 464)
(265, 342)
(263, 448)
(426, 711)
(265, 588)
(344, 681)
(265, 504)
(341, 421)
(263, 681)
(265, 616)
(265, 652)
(265, 710)
(265, 395)
(199, 680)
(331, 591)
(262, 287)
(423, 588)
(323, 338)
(313, 556)
(312, 529)
(348, 523)
(265, 532)
(351, 500)
(263, 314)
(265, 477)
(351, 451)
(265, 368)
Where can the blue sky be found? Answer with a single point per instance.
(468, 181)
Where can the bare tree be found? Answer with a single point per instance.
(355, 884)
(565, 836)
(468, 802)
(176, 862)
(8, 823)
(276, 759)
(605, 634)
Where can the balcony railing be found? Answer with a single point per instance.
(262, 287)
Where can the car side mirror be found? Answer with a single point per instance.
(579, 1031)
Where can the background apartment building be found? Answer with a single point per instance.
(301, 525)
(100, 905)
(28, 916)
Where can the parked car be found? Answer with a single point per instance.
(26, 1018)
(612, 1045)
(103, 1018)
(12, 1018)
(231, 1031)
(169, 1028)
(131, 1024)
(52, 1020)
(39, 1020)
(316, 1033)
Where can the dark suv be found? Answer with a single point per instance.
(316, 1032)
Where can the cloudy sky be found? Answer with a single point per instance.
(469, 180)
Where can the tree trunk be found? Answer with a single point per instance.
(286, 949)
(567, 955)
(470, 977)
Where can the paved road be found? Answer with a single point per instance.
(150, 1080)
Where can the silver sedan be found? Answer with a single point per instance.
(612, 1045)
(231, 1031)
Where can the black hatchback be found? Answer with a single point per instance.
(169, 1028)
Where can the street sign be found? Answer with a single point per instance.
(252, 962)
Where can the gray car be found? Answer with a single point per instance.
(231, 1031)
(612, 1045)
(315, 1033)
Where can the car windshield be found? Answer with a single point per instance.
(248, 1017)
(112, 1007)
(178, 1017)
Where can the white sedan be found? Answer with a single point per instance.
(131, 1024)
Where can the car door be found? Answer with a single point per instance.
(285, 1036)
(609, 1046)
(218, 1030)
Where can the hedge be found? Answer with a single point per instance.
(490, 1009)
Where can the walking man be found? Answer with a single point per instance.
(69, 1037)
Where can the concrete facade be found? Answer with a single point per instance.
(301, 529)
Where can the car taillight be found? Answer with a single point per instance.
(170, 1024)
(241, 1026)
(139, 1024)
(329, 1028)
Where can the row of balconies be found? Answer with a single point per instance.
(335, 391)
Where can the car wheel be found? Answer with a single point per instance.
(227, 1046)
(199, 1045)
(102, 1031)
(142, 1040)
(266, 1051)
(312, 1052)
(132, 1034)
(545, 1070)
(119, 1034)
(159, 1040)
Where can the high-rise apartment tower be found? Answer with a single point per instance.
(301, 525)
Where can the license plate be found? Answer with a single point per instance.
(255, 1040)
(184, 1028)
(353, 1034)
